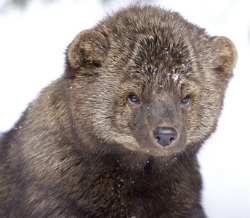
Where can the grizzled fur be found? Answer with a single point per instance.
(86, 147)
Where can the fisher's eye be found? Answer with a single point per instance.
(133, 99)
(185, 100)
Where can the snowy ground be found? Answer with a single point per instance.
(32, 45)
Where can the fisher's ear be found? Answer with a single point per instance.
(223, 55)
(88, 50)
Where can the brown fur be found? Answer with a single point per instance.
(82, 149)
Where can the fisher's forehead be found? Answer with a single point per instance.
(154, 59)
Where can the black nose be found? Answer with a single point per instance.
(165, 135)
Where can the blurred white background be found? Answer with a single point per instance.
(32, 45)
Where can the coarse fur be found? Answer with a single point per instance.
(86, 148)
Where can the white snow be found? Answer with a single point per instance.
(32, 45)
(175, 76)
